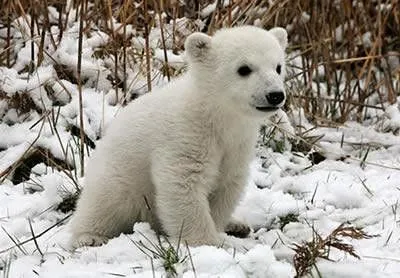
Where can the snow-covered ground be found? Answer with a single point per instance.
(286, 199)
(320, 197)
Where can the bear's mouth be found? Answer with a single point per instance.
(267, 109)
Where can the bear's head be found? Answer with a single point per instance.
(242, 66)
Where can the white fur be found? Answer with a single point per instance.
(178, 157)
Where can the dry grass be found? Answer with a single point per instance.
(352, 76)
(309, 252)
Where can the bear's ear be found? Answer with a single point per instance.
(197, 46)
(281, 35)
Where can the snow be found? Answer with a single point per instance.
(13, 82)
(367, 39)
(305, 17)
(173, 60)
(261, 262)
(209, 9)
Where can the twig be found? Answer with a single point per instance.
(147, 45)
(34, 237)
(79, 68)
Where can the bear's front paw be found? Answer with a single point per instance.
(237, 229)
(87, 239)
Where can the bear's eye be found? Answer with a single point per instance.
(278, 69)
(244, 70)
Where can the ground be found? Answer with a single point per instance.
(362, 192)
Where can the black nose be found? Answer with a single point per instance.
(275, 98)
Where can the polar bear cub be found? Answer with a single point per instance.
(178, 157)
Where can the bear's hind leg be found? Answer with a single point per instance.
(98, 218)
